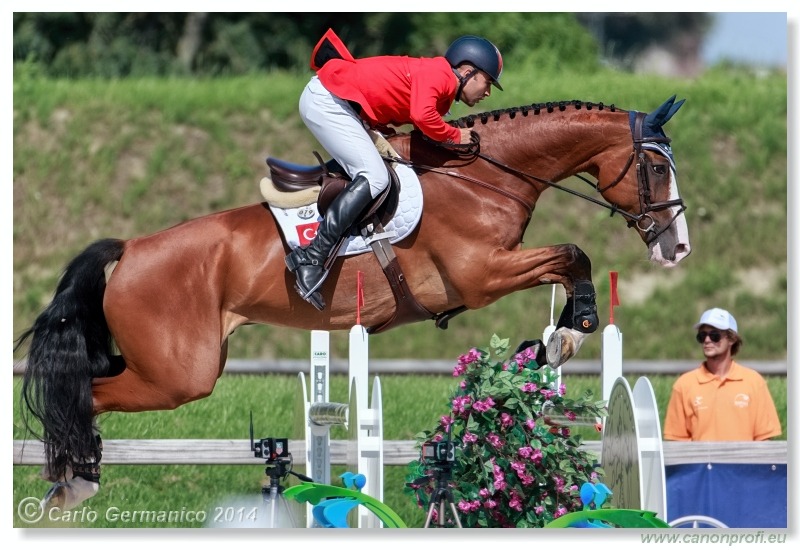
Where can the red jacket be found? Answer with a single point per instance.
(397, 90)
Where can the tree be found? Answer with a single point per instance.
(654, 42)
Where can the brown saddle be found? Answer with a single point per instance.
(288, 177)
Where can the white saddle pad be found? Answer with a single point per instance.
(299, 225)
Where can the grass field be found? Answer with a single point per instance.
(411, 403)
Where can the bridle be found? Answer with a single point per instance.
(643, 221)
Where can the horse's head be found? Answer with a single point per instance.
(646, 192)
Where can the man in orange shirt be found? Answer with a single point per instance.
(720, 400)
(347, 96)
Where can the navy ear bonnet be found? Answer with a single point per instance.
(653, 122)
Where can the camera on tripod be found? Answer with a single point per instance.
(439, 451)
(271, 448)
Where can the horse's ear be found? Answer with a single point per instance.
(660, 116)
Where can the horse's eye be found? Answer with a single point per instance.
(660, 169)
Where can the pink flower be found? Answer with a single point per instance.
(467, 505)
(484, 493)
(458, 370)
(560, 512)
(490, 504)
(515, 502)
(518, 467)
(562, 389)
(526, 479)
(483, 405)
(506, 420)
(446, 421)
(570, 415)
(530, 423)
(469, 437)
(524, 356)
(548, 393)
(525, 452)
(529, 387)
(500, 484)
(472, 356)
(461, 404)
(539, 510)
(559, 483)
(494, 440)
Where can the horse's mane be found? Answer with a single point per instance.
(469, 121)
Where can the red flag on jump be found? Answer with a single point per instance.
(614, 295)
(359, 297)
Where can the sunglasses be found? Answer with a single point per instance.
(714, 335)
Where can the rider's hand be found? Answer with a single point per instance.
(466, 136)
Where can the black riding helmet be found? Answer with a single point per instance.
(478, 52)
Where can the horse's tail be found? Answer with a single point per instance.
(70, 344)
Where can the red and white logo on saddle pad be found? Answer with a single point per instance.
(306, 232)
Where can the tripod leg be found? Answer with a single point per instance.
(455, 513)
(430, 514)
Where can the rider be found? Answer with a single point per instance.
(347, 96)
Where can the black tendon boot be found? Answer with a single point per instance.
(309, 263)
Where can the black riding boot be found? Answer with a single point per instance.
(309, 263)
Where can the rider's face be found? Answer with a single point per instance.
(478, 87)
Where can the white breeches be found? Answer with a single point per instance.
(342, 133)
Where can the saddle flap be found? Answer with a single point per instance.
(384, 205)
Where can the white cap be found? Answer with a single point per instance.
(718, 318)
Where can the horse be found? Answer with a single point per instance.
(143, 324)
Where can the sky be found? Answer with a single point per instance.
(758, 38)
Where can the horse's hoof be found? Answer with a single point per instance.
(564, 343)
(56, 496)
(554, 347)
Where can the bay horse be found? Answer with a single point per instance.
(153, 334)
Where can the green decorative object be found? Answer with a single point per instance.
(314, 493)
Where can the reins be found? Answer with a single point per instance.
(471, 151)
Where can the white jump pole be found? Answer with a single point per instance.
(638, 468)
(549, 330)
(369, 423)
(364, 422)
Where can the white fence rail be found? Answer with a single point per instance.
(421, 366)
(395, 453)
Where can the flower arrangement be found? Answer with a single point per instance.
(513, 466)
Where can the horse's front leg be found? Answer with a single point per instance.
(566, 264)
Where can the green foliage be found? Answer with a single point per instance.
(116, 45)
(514, 465)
